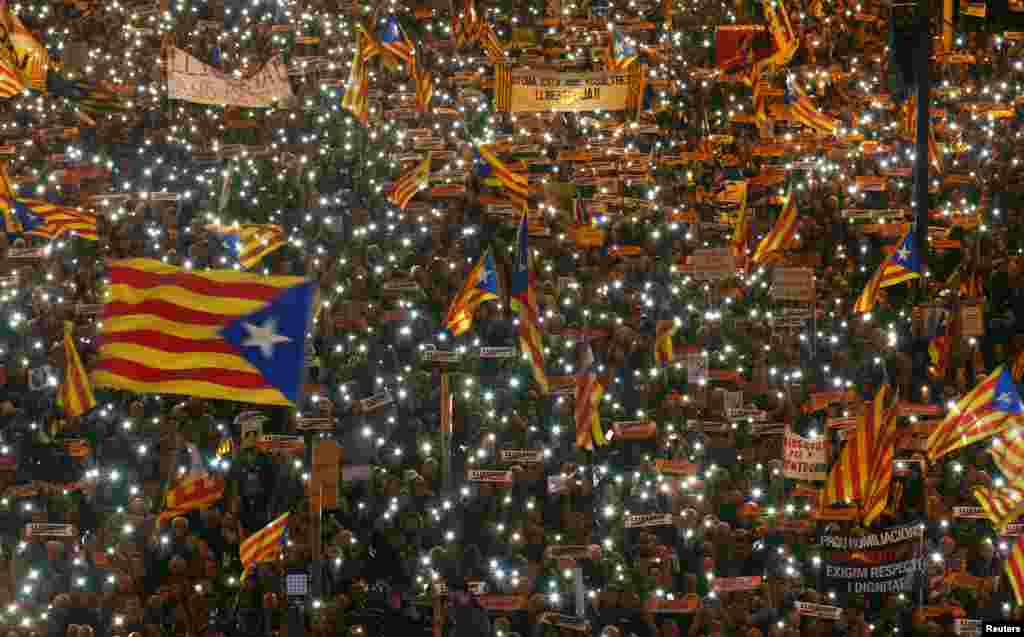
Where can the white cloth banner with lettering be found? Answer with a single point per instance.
(193, 81)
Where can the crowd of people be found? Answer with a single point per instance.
(469, 497)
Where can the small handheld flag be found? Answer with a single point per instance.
(481, 285)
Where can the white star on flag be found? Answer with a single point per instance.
(264, 337)
(1004, 398)
(903, 254)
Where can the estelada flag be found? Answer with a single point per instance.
(75, 392)
(218, 334)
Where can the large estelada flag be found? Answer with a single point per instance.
(215, 334)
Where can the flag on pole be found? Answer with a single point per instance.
(216, 334)
(264, 545)
(524, 302)
(880, 464)
(1014, 566)
(367, 46)
(394, 40)
(910, 130)
(588, 394)
(250, 242)
(987, 410)
(490, 44)
(76, 391)
(781, 235)
(481, 285)
(7, 189)
(621, 50)
(357, 93)
(849, 481)
(424, 89)
(24, 61)
(902, 265)
(410, 183)
(44, 219)
(1003, 506)
(516, 184)
(741, 234)
(466, 27)
(804, 111)
(783, 34)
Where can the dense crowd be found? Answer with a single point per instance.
(414, 540)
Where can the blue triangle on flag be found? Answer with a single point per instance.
(273, 338)
(1006, 396)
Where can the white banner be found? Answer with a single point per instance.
(193, 81)
(804, 458)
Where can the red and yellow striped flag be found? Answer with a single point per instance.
(849, 481)
(197, 492)
(741, 234)
(1002, 506)
(899, 267)
(76, 391)
(481, 285)
(172, 331)
(524, 301)
(264, 545)
(424, 89)
(1007, 453)
(467, 26)
(357, 94)
(490, 44)
(250, 241)
(803, 110)
(987, 410)
(664, 353)
(50, 221)
(1015, 569)
(588, 394)
(410, 183)
(910, 129)
(880, 463)
(781, 235)
(7, 190)
(516, 184)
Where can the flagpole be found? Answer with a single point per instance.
(922, 157)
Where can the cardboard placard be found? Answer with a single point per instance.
(972, 320)
(731, 584)
(528, 456)
(284, 444)
(503, 478)
(676, 467)
(498, 352)
(970, 513)
(793, 284)
(643, 520)
(45, 529)
(377, 401)
(819, 610)
(572, 552)
(671, 604)
(805, 459)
